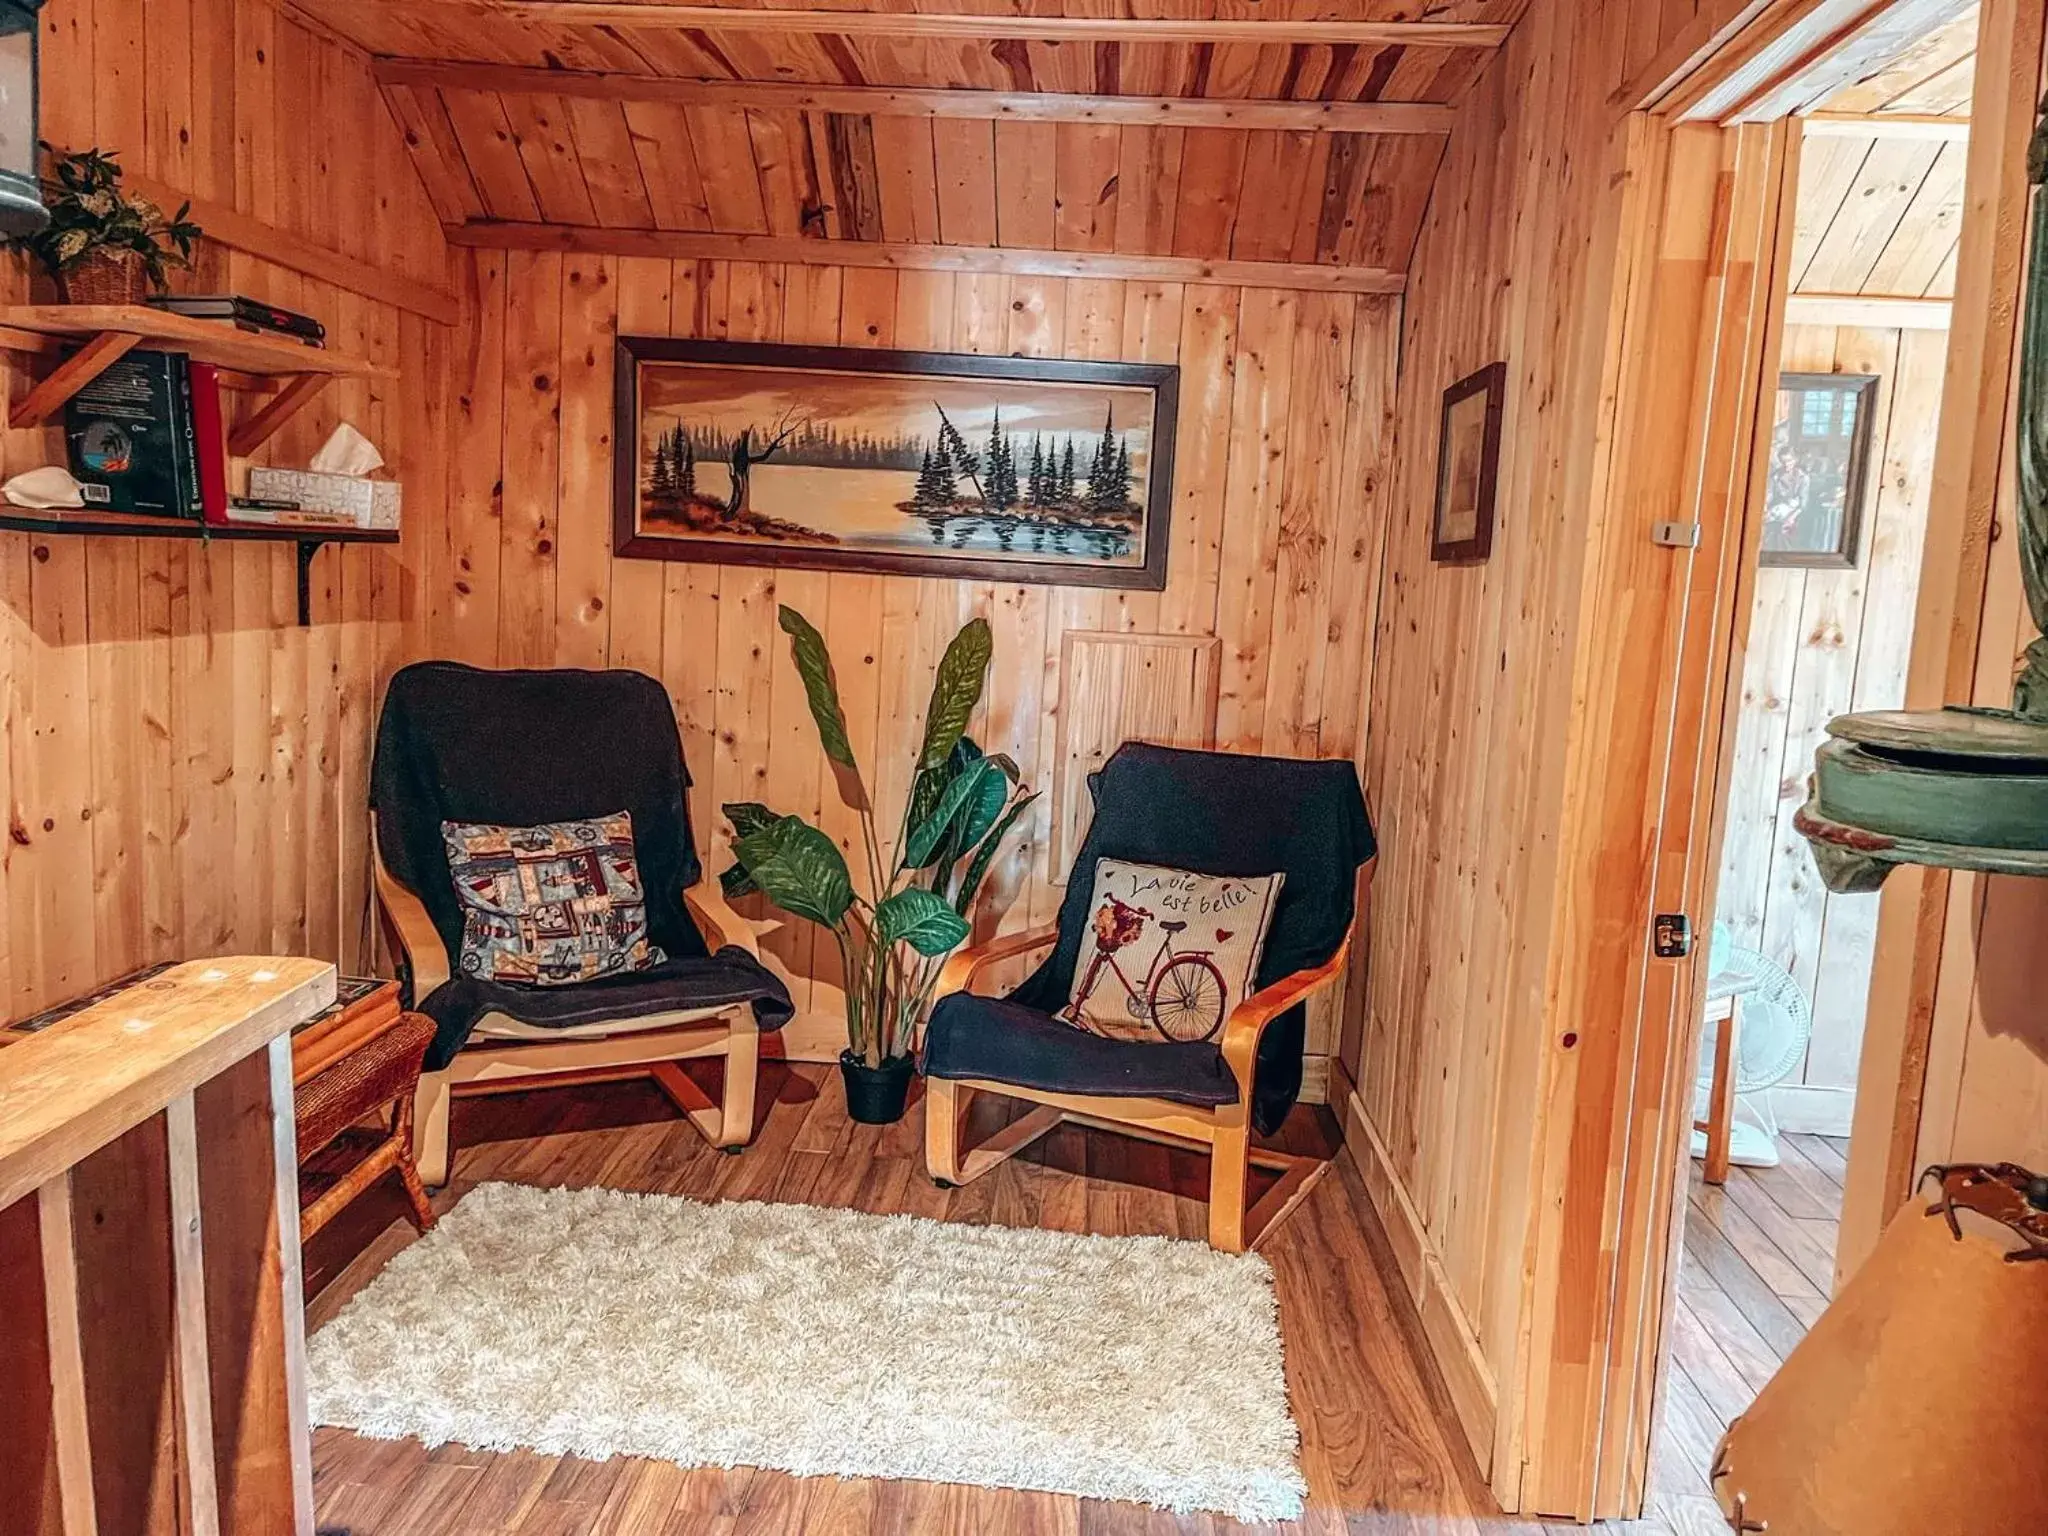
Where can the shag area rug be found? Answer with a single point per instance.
(596, 1323)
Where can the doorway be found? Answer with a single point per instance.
(1845, 485)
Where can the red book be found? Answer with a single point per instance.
(210, 428)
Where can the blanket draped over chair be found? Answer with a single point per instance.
(1215, 813)
(457, 743)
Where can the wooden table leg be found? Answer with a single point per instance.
(1721, 1103)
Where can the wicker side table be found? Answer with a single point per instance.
(345, 1081)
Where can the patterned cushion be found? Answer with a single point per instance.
(1168, 953)
(549, 905)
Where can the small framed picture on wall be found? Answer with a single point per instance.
(1468, 467)
(1820, 467)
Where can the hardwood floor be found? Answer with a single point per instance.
(1379, 1447)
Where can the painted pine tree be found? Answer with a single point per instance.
(684, 458)
(1001, 489)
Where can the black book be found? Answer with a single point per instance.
(129, 437)
(249, 314)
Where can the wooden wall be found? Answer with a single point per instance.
(1282, 447)
(1822, 643)
(182, 768)
(1469, 1039)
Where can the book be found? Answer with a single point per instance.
(188, 435)
(249, 314)
(126, 436)
(273, 514)
(209, 428)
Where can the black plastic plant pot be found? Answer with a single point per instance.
(876, 1095)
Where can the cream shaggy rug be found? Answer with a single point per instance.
(595, 1323)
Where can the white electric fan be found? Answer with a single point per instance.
(1777, 1023)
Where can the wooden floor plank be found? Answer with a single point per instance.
(1380, 1448)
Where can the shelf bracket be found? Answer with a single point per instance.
(307, 549)
(70, 376)
(275, 412)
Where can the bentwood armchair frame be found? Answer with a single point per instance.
(645, 1046)
(1224, 1131)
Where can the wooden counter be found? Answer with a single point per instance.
(149, 1260)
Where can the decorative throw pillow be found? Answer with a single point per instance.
(1168, 953)
(549, 905)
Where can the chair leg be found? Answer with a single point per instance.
(408, 1171)
(1229, 1171)
(1721, 1100)
(742, 1065)
(430, 1148)
(945, 1108)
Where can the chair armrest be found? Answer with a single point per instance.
(715, 919)
(405, 918)
(1248, 1020)
(966, 964)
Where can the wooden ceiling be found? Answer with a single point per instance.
(1300, 136)
(1881, 175)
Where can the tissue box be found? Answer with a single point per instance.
(372, 503)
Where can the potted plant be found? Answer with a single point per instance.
(893, 942)
(102, 245)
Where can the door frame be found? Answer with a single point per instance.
(1649, 762)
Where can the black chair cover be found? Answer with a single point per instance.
(459, 743)
(1217, 813)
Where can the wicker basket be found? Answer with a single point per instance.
(105, 277)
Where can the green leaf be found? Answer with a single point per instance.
(926, 837)
(984, 804)
(985, 854)
(821, 688)
(800, 868)
(955, 691)
(921, 920)
(749, 816)
(814, 666)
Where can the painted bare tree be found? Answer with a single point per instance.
(745, 456)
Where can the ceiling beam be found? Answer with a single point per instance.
(682, 245)
(1393, 117)
(963, 26)
(1797, 53)
(1871, 311)
(230, 227)
(1886, 125)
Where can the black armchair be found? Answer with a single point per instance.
(459, 743)
(1212, 812)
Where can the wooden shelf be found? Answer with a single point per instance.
(106, 332)
(142, 525)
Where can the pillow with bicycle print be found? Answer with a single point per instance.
(1168, 953)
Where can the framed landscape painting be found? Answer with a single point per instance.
(919, 463)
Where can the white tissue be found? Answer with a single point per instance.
(50, 486)
(347, 452)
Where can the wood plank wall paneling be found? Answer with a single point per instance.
(1283, 446)
(181, 766)
(1822, 643)
(1457, 1070)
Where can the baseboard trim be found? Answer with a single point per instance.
(1814, 1111)
(1453, 1341)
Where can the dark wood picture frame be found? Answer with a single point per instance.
(1848, 550)
(1458, 546)
(631, 541)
